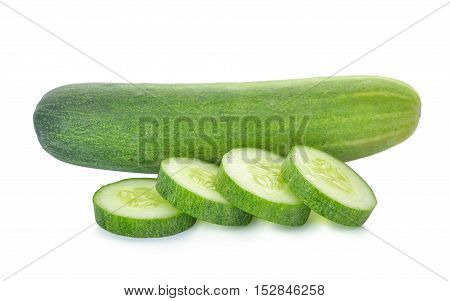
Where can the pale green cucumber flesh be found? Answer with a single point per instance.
(134, 127)
(250, 179)
(328, 186)
(133, 208)
(189, 185)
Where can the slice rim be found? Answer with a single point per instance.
(321, 203)
(294, 202)
(282, 213)
(198, 206)
(353, 172)
(138, 226)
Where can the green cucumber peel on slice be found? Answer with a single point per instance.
(133, 207)
(190, 185)
(328, 186)
(250, 179)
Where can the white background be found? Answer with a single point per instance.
(44, 202)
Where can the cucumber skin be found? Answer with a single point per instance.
(141, 228)
(98, 124)
(319, 202)
(283, 214)
(194, 205)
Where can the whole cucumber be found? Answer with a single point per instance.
(133, 127)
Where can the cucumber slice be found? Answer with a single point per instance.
(134, 208)
(250, 179)
(189, 185)
(328, 186)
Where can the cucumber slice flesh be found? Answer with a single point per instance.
(259, 172)
(190, 185)
(135, 198)
(134, 208)
(250, 179)
(328, 186)
(196, 175)
(334, 178)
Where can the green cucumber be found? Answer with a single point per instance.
(133, 207)
(133, 127)
(189, 185)
(250, 179)
(328, 186)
